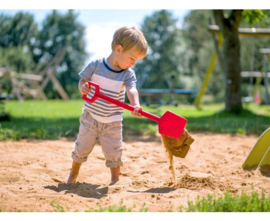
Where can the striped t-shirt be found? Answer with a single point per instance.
(112, 83)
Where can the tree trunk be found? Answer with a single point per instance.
(231, 55)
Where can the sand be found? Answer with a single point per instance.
(31, 171)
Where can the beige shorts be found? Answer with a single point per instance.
(109, 135)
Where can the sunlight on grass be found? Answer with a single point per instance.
(56, 118)
(47, 109)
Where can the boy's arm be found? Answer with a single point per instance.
(83, 86)
(133, 97)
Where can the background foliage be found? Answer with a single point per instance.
(24, 46)
(179, 54)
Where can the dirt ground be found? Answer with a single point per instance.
(30, 170)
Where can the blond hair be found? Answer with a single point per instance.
(130, 39)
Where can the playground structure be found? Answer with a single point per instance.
(265, 53)
(260, 154)
(33, 85)
(154, 95)
(218, 40)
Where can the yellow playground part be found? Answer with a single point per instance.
(260, 153)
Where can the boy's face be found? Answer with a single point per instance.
(127, 59)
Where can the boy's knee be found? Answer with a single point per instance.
(78, 159)
(113, 164)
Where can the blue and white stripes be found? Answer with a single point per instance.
(112, 84)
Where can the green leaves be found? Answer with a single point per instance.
(163, 36)
(253, 16)
(23, 47)
(17, 30)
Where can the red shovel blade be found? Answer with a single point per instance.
(171, 125)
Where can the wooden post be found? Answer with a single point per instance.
(265, 52)
(58, 86)
(50, 70)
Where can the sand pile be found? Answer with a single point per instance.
(200, 181)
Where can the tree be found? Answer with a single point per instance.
(16, 58)
(231, 55)
(17, 35)
(251, 58)
(18, 30)
(196, 35)
(231, 52)
(23, 46)
(163, 37)
(62, 31)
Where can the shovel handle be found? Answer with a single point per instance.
(95, 96)
(116, 102)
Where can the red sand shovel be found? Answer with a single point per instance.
(169, 124)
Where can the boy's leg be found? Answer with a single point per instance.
(111, 143)
(115, 172)
(73, 173)
(84, 144)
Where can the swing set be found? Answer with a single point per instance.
(218, 40)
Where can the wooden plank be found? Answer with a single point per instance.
(54, 62)
(265, 51)
(32, 77)
(46, 80)
(3, 72)
(15, 89)
(253, 74)
(39, 91)
(59, 88)
(254, 32)
(161, 92)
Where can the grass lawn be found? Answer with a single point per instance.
(56, 118)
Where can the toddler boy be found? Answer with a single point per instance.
(102, 120)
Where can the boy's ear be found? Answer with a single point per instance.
(118, 49)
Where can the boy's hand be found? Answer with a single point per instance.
(85, 89)
(137, 110)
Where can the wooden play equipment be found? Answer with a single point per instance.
(33, 85)
(218, 39)
(265, 52)
(260, 153)
(259, 76)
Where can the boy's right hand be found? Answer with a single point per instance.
(85, 89)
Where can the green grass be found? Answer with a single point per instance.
(253, 202)
(56, 118)
(228, 203)
(111, 208)
(41, 120)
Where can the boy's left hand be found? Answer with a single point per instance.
(137, 110)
